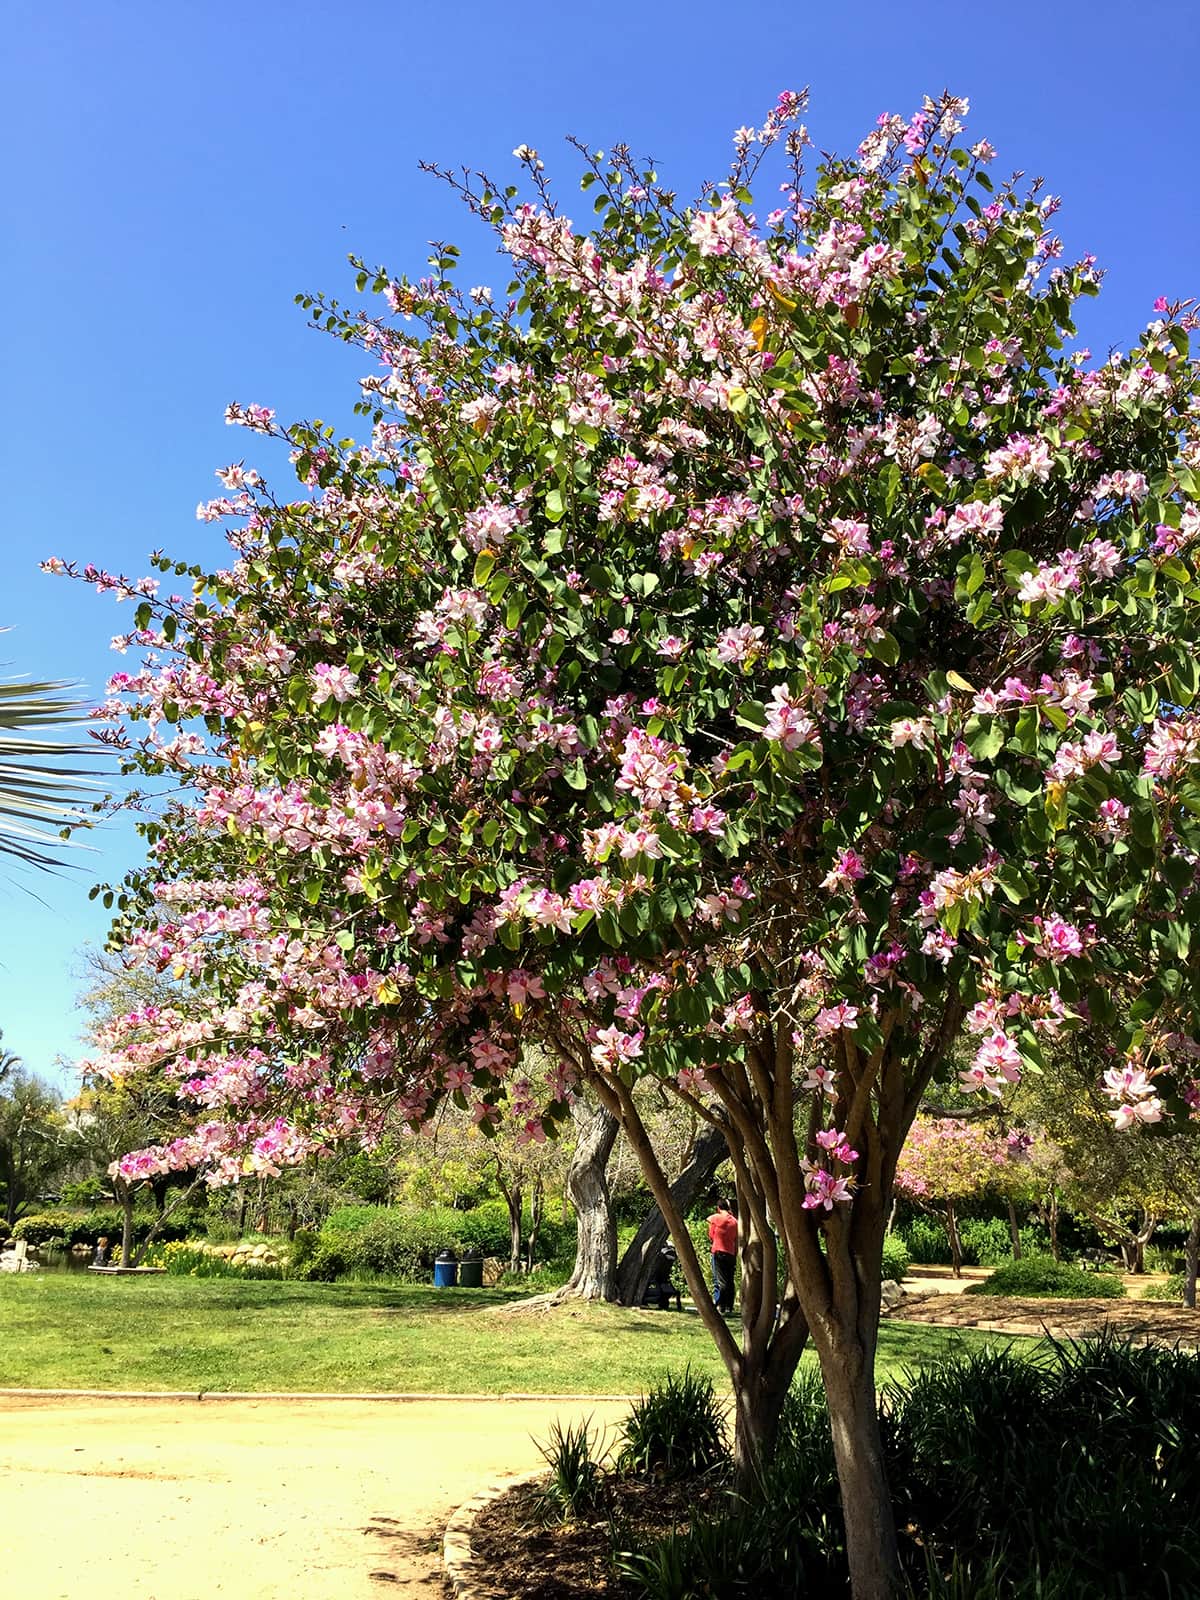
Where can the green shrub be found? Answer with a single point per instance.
(41, 1226)
(926, 1242)
(551, 1275)
(106, 1223)
(1163, 1258)
(734, 1554)
(985, 1241)
(1171, 1291)
(785, 1542)
(305, 1244)
(1035, 1240)
(5, 1230)
(400, 1243)
(677, 1429)
(1016, 1462)
(86, 1227)
(327, 1262)
(895, 1257)
(1037, 1277)
(88, 1192)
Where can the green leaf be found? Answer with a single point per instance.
(750, 714)
(555, 506)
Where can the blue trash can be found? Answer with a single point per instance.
(445, 1270)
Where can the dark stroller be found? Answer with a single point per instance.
(662, 1285)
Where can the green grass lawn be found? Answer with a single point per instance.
(72, 1331)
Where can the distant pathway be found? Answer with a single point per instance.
(249, 1499)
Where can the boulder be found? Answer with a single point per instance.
(891, 1294)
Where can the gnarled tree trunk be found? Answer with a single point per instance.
(637, 1264)
(587, 1184)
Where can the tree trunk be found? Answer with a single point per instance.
(596, 1239)
(955, 1242)
(1053, 1209)
(637, 1264)
(758, 1409)
(1133, 1246)
(126, 1225)
(243, 1201)
(849, 1372)
(537, 1210)
(513, 1198)
(1014, 1231)
(1192, 1258)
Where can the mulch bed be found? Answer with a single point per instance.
(519, 1556)
(1135, 1319)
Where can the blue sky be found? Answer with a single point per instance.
(177, 173)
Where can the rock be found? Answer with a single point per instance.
(891, 1294)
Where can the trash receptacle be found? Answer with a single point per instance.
(445, 1270)
(470, 1270)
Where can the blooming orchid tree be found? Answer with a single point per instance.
(946, 1160)
(751, 654)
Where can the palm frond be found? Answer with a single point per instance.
(39, 794)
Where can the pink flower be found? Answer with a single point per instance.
(847, 869)
(909, 730)
(999, 1054)
(333, 683)
(787, 724)
(832, 1019)
(1056, 940)
(524, 986)
(833, 1142)
(611, 1047)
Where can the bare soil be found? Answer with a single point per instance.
(249, 1500)
(525, 1556)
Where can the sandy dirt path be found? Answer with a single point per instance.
(248, 1500)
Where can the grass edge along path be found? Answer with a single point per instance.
(194, 1335)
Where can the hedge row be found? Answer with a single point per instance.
(397, 1243)
(105, 1222)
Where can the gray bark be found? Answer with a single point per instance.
(871, 1550)
(637, 1264)
(126, 1224)
(1014, 1231)
(955, 1242)
(1192, 1259)
(587, 1184)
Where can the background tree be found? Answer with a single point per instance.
(946, 1161)
(35, 1141)
(748, 658)
(1125, 1182)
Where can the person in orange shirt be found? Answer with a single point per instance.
(723, 1236)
